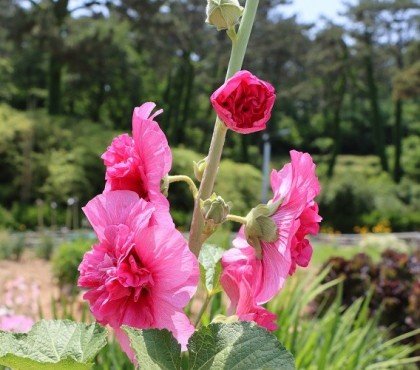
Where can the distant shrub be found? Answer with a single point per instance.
(6, 219)
(46, 248)
(66, 261)
(394, 282)
(351, 200)
(344, 200)
(240, 184)
(11, 247)
(411, 157)
(28, 216)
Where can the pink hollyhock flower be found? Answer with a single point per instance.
(298, 185)
(295, 186)
(247, 310)
(139, 274)
(244, 103)
(242, 273)
(139, 163)
(16, 323)
(265, 276)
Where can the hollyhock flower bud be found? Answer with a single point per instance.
(199, 168)
(223, 14)
(215, 209)
(244, 103)
(139, 274)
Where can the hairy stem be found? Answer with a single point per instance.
(238, 219)
(188, 180)
(202, 310)
(239, 45)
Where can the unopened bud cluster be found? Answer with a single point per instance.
(215, 209)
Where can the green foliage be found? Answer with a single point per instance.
(210, 267)
(6, 218)
(239, 184)
(52, 345)
(66, 260)
(392, 280)
(360, 194)
(339, 338)
(239, 345)
(65, 176)
(344, 200)
(111, 357)
(155, 349)
(411, 157)
(11, 247)
(46, 248)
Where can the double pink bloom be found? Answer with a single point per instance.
(141, 272)
(139, 163)
(251, 282)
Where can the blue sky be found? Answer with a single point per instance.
(307, 10)
(313, 10)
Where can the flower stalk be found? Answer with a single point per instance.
(235, 218)
(202, 310)
(239, 45)
(186, 179)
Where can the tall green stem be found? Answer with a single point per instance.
(239, 45)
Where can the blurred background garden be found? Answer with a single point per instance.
(347, 75)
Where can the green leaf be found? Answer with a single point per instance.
(53, 345)
(237, 346)
(155, 349)
(211, 268)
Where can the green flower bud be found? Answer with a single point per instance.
(199, 168)
(260, 227)
(224, 14)
(215, 209)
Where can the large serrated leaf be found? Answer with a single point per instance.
(155, 349)
(237, 346)
(211, 269)
(53, 345)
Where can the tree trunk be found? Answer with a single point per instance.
(398, 114)
(398, 140)
(54, 84)
(341, 91)
(377, 123)
(336, 137)
(186, 111)
(55, 67)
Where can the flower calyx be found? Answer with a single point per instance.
(261, 227)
